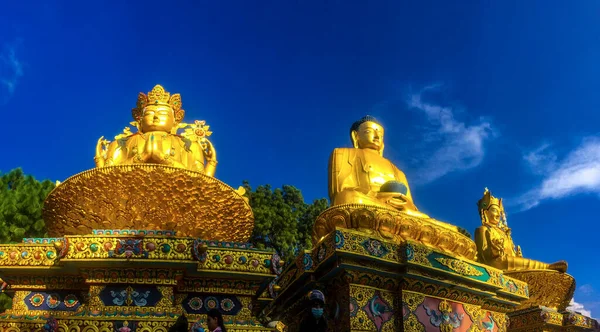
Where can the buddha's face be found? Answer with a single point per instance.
(493, 215)
(157, 118)
(369, 136)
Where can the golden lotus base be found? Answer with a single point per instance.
(149, 197)
(547, 288)
(396, 226)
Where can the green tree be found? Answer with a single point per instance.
(282, 220)
(21, 201)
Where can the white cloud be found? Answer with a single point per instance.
(458, 146)
(586, 289)
(578, 172)
(11, 69)
(578, 307)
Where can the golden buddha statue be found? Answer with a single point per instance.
(361, 175)
(158, 116)
(495, 246)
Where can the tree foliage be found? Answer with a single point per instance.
(22, 198)
(21, 201)
(282, 220)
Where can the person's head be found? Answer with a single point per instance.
(214, 319)
(317, 303)
(181, 324)
(367, 133)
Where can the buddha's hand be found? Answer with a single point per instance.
(100, 147)
(153, 151)
(397, 200)
(209, 150)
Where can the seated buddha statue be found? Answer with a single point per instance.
(361, 175)
(495, 246)
(158, 116)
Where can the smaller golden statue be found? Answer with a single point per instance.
(495, 245)
(158, 117)
(361, 175)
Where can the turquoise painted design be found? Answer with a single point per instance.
(484, 276)
(44, 240)
(339, 239)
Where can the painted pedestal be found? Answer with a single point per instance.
(132, 281)
(372, 284)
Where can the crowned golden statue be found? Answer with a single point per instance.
(361, 175)
(495, 245)
(158, 116)
(152, 179)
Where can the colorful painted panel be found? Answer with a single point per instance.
(130, 295)
(371, 309)
(53, 300)
(201, 304)
(421, 313)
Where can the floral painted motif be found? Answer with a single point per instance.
(130, 296)
(444, 317)
(375, 247)
(129, 247)
(378, 310)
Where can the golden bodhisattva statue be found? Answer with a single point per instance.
(495, 245)
(158, 116)
(361, 175)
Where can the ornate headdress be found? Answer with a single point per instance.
(158, 96)
(488, 200)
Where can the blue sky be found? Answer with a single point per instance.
(476, 94)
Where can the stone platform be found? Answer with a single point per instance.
(142, 280)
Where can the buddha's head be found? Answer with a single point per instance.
(367, 133)
(491, 209)
(158, 111)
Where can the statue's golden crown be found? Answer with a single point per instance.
(158, 96)
(488, 200)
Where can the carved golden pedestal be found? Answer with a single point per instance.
(397, 227)
(547, 288)
(148, 197)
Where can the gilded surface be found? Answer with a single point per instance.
(141, 197)
(128, 247)
(157, 117)
(395, 226)
(236, 261)
(366, 300)
(131, 276)
(494, 241)
(459, 267)
(361, 175)
(412, 301)
(37, 282)
(27, 255)
(238, 287)
(548, 288)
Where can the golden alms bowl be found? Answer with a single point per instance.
(148, 197)
(548, 288)
(397, 226)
